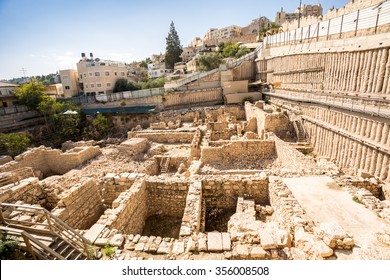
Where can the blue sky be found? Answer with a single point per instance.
(44, 36)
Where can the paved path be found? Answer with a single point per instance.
(324, 201)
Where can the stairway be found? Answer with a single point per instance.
(164, 165)
(299, 130)
(66, 250)
(48, 239)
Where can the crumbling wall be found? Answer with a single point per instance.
(163, 136)
(28, 190)
(52, 161)
(80, 206)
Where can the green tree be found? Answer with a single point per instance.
(173, 48)
(208, 62)
(31, 94)
(122, 84)
(14, 144)
(101, 124)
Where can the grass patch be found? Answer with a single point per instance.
(108, 250)
(357, 200)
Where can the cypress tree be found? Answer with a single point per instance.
(174, 49)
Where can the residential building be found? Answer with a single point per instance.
(70, 83)
(7, 98)
(54, 91)
(157, 68)
(215, 36)
(189, 53)
(98, 76)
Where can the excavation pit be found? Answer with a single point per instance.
(217, 219)
(162, 225)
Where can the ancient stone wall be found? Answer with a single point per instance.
(275, 122)
(27, 190)
(163, 136)
(166, 198)
(228, 152)
(50, 162)
(114, 184)
(129, 210)
(230, 187)
(81, 206)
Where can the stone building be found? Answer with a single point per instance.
(70, 83)
(304, 11)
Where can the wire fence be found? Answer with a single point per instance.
(371, 17)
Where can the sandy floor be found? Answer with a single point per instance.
(324, 201)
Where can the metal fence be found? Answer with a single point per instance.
(117, 96)
(371, 17)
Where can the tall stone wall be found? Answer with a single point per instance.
(354, 142)
(231, 187)
(357, 66)
(81, 206)
(166, 198)
(129, 211)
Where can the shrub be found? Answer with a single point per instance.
(14, 144)
(108, 250)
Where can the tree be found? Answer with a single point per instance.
(14, 144)
(31, 94)
(173, 49)
(208, 62)
(124, 85)
(101, 124)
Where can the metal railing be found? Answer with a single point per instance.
(190, 78)
(48, 224)
(13, 110)
(371, 17)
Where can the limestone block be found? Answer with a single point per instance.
(226, 242)
(243, 251)
(101, 241)
(137, 238)
(258, 253)
(214, 241)
(117, 240)
(332, 232)
(164, 248)
(139, 247)
(191, 245)
(185, 231)
(322, 249)
(202, 244)
(178, 247)
(363, 174)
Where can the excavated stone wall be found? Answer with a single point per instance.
(227, 151)
(162, 136)
(230, 187)
(51, 161)
(80, 206)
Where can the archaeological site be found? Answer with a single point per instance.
(299, 173)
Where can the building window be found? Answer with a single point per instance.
(81, 76)
(67, 87)
(99, 85)
(122, 74)
(107, 73)
(85, 75)
(108, 84)
(86, 86)
(115, 73)
(97, 74)
(92, 85)
(90, 74)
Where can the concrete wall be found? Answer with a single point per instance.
(237, 98)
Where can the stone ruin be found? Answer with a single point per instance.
(210, 188)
